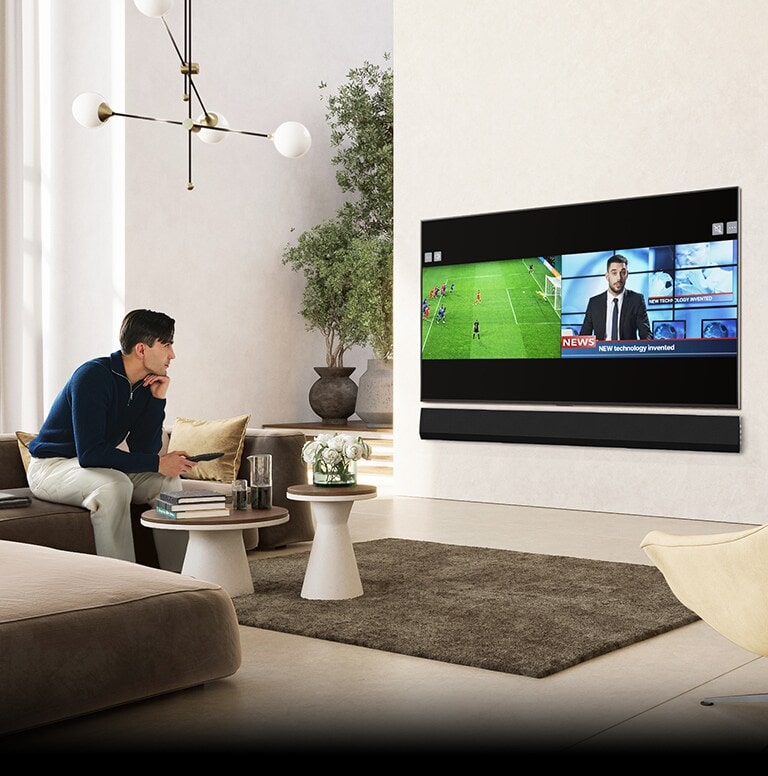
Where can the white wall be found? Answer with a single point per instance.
(499, 104)
(210, 257)
(517, 104)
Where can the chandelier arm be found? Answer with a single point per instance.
(193, 125)
(190, 185)
(235, 131)
(188, 66)
(188, 34)
(173, 40)
(147, 118)
(197, 94)
(188, 85)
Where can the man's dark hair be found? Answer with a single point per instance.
(145, 326)
(617, 258)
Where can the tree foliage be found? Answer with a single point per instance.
(347, 260)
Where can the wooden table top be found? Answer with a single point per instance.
(245, 517)
(336, 492)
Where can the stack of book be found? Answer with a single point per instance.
(187, 504)
(13, 500)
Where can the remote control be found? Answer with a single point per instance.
(204, 457)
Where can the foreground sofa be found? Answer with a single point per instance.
(80, 633)
(68, 528)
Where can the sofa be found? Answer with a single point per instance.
(80, 633)
(65, 527)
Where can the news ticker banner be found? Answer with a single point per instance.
(588, 346)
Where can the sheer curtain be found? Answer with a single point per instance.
(21, 217)
(62, 199)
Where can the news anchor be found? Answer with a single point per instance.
(618, 313)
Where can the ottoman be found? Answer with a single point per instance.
(81, 633)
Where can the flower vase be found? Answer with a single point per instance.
(336, 475)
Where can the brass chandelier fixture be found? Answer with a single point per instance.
(91, 110)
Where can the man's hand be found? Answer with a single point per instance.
(175, 463)
(158, 384)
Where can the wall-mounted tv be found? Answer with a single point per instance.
(518, 306)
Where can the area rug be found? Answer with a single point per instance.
(515, 612)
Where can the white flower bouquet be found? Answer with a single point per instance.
(334, 458)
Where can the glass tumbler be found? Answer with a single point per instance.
(261, 480)
(239, 494)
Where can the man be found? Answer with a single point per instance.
(108, 400)
(618, 313)
(695, 273)
(476, 329)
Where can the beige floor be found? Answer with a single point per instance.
(296, 694)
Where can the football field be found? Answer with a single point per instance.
(515, 319)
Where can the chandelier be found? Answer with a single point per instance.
(91, 110)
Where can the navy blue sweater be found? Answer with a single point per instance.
(95, 411)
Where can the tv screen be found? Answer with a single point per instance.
(621, 302)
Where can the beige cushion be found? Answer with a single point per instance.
(24, 440)
(210, 436)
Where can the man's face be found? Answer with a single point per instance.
(616, 277)
(158, 358)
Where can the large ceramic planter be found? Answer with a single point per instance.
(334, 395)
(374, 393)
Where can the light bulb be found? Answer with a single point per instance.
(292, 139)
(153, 7)
(90, 109)
(213, 120)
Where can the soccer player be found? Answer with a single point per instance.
(477, 297)
(441, 314)
(476, 329)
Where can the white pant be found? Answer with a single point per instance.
(106, 493)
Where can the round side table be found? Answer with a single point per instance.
(332, 572)
(216, 551)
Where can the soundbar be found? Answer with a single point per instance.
(709, 433)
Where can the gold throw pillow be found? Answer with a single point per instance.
(211, 436)
(24, 439)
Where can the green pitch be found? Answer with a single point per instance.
(516, 320)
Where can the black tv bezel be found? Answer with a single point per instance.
(664, 219)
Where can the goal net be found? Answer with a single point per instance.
(552, 292)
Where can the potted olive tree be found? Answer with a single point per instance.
(347, 260)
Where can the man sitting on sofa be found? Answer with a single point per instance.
(108, 400)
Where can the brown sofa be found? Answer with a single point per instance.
(65, 527)
(80, 633)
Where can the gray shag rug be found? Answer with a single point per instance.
(515, 612)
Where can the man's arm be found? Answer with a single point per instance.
(96, 422)
(588, 327)
(640, 316)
